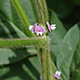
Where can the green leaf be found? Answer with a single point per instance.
(57, 35)
(8, 56)
(29, 9)
(22, 16)
(76, 59)
(10, 30)
(10, 13)
(75, 64)
(27, 69)
(66, 51)
(18, 32)
(5, 7)
(4, 31)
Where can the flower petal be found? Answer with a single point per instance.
(39, 33)
(30, 27)
(40, 29)
(53, 26)
(37, 29)
(33, 28)
(43, 29)
(56, 76)
(49, 27)
(56, 73)
(59, 73)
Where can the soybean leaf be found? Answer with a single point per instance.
(9, 30)
(27, 69)
(75, 64)
(57, 35)
(4, 31)
(10, 13)
(8, 56)
(76, 59)
(29, 8)
(66, 51)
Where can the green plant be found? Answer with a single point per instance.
(21, 43)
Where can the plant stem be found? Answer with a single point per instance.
(42, 11)
(22, 42)
(45, 61)
(48, 63)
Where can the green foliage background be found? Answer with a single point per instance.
(23, 64)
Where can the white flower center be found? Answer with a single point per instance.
(39, 33)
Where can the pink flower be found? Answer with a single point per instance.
(39, 30)
(57, 74)
(50, 27)
(32, 28)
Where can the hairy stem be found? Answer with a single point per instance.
(23, 16)
(48, 63)
(11, 43)
(42, 11)
(43, 64)
(44, 57)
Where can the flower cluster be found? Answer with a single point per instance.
(57, 74)
(40, 30)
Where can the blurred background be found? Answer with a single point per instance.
(68, 11)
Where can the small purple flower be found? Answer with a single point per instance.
(32, 28)
(39, 30)
(50, 27)
(57, 74)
